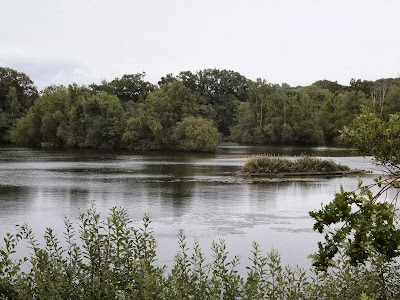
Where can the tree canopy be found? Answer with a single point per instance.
(242, 110)
(168, 119)
(218, 92)
(19, 84)
(130, 87)
(17, 94)
(69, 118)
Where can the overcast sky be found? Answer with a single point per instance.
(292, 41)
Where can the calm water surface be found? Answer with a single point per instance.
(196, 192)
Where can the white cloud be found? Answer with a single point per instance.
(297, 42)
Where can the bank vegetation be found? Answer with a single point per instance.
(110, 259)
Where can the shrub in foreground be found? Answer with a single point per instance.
(306, 164)
(113, 260)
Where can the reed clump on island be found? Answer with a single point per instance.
(264, 164)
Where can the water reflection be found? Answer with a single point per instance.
(196, 192)
(235, 149)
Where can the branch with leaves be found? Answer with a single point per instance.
(367, 223)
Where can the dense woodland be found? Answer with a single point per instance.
(190, 111)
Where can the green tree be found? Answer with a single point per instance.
(168, 120)
(151, 126)
(264, 117)
(217, 92)
(9, 115)
(348, 106)
(4, 126)
(71, 117)
(392, 102)
(167, 80)
(281, 116)
(368, 225)
(377, 138)
(260, 99)
(195, 134)
(42, 123)
(245, 129)
(359, 85)
(95, 122)
(141, 131)
(333, 86)
(304, 118)
(223, 90)
(17, 94)
(130, 87)
(25, 89)
(27, 129)
(11, 104)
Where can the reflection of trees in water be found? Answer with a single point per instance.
(14, 193)
(249, 149)
(175, 186)
(67, 200)
(267, 196)
(179, 193)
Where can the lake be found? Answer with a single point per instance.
(197, 192)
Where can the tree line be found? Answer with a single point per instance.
(190, 111)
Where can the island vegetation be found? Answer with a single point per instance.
(266, 164)
(190, 111)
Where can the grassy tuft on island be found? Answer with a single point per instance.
(264, 164)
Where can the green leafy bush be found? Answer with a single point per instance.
(112, 260)
(196, 134)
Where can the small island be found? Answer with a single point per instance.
(272, 166)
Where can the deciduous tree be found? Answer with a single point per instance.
(366, 221)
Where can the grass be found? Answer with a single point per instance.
(304, 164)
